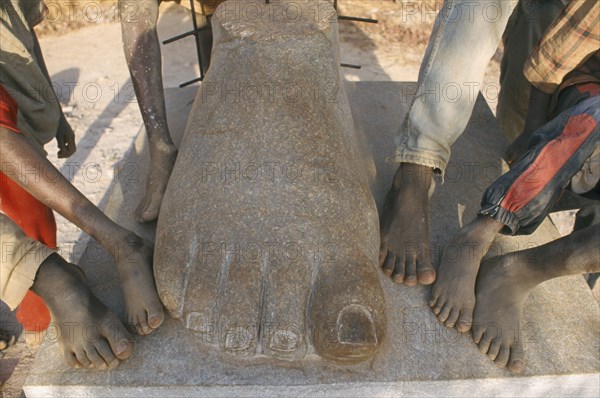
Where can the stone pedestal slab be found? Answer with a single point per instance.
(419, 357)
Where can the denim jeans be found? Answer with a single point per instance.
(465, 36)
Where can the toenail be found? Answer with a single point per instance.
(155, 321)
(122, 346)
(463, 327)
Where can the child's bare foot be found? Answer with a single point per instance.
(162, 160)
(503, 285)
(90, 335)
(144, 309)
(10, 328)
(453, 294)
(404, 254)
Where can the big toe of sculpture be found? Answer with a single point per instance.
(267, 241)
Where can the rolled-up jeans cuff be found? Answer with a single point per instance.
(421, 158)
(23, 274)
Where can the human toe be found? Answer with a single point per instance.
(451, 321)
(502, 357)
(465, 320)
(389, 264)
(106, 353)
(425, 273)
(516, 363)
(444, 312)
(410, 277)
(95, 358)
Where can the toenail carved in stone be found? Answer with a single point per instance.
(355, 326)
(284, 342)
(239, 340)
(202, 325)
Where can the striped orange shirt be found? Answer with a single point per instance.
(567, 44)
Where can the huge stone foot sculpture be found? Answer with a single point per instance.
(267, 240)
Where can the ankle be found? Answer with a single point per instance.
(162, 147)
(54, 277)
(483, 226)
(130, 248)
(415, 176)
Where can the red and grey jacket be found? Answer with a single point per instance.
(523, 197)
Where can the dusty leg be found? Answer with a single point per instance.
(404, 253)
(90, 335)
(453, 294)
(142, 52)
(133, 254)
(504, 283)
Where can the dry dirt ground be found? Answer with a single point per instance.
(82, 46)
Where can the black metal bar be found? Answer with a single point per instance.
(179, 37)
(367, 20)
(184, 35)
(196, 80)
(197, 37)
(351, 66)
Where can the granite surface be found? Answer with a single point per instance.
(267, 241)
(560, 324)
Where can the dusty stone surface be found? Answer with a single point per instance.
(268, 239)
(419, 356)
(383, 54)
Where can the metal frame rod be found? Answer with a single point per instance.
(196, 33)
(184, 35)
(357, 19)
(197, 36)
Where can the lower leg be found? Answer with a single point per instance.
(577, 253)
(133, 255)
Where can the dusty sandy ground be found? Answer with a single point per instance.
(82, 47)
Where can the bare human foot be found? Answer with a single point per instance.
(10, 327)
(162, 160)
(502, 288)
(404, 253)
(453, 294)
(505, 282)
(90, 335)
(144, 310)
(132, 254)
